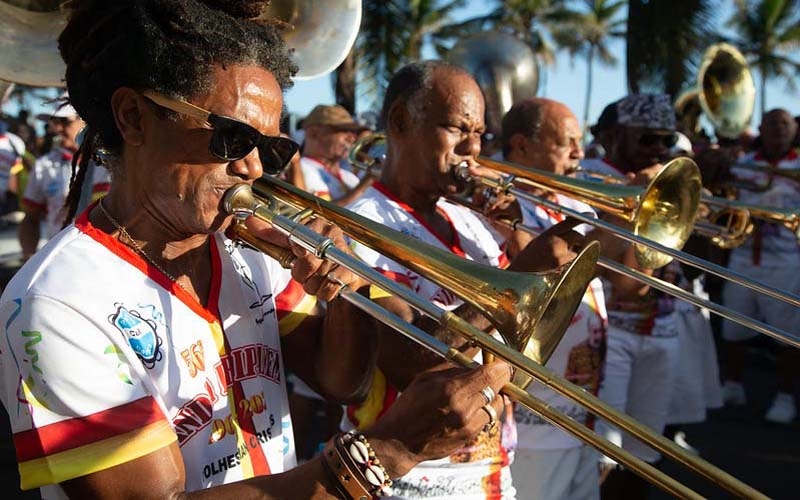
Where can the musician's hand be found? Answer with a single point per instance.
(496, 204)
(440, 411)
(555, 247)
(319, 277)
(644, 176)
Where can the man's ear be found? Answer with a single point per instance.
(129, 110)
(519, 144)
(399, 119)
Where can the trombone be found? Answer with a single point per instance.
(662, 212)
(730, 234)
(241, 202)
(362, 159)
(769, 170)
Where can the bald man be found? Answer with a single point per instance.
(550, 464)
(771, 255)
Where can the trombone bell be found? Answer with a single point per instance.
(531, 311)
(667, 210)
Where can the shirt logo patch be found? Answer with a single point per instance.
(140, 333)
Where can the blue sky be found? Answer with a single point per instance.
(566, 82)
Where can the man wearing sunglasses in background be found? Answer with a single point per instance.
(48, 182)
(642, 334)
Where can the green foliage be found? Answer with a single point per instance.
(665, 43)
(768, 33)
(393, 33)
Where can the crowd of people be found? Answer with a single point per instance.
(148, 354)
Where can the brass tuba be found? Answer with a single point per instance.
(726, 90)
(28, 47)
(504, 67)
(321, 37)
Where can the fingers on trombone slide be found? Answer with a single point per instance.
(487, 403)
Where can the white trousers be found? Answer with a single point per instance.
(569, 474)
(638, 381)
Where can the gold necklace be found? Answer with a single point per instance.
(135, 245)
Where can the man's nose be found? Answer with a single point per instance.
(470, 145)
(249, 167)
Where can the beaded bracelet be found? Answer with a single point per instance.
(360, 474)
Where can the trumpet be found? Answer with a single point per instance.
(241, 202)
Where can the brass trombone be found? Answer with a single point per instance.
(662, 212)
(731, 233)
(764, 168)
(406, 250)
(361, 158)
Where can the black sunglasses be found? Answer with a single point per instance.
(231, 139)
(648, 140)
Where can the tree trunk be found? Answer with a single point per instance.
(589, 81)
(345, 85)
(763, 91)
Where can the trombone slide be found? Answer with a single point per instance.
(246, 205)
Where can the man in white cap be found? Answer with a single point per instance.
(330, 132)
(49, 180)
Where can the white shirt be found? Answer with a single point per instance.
(771, 245)
(11, 150)
(323, 183)
(579, 357)
(481, 470)
(105, 360)
(48, 185)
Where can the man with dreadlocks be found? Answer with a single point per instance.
(143, 352)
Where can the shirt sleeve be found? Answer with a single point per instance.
(34, 191)
(74, 397)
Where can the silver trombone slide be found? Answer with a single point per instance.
(323, 248)
(725, 312)
(710, 267)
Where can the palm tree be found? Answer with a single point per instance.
(393, 33)
(530, 20)
(768, 31)
(588, 31)
(665, 42)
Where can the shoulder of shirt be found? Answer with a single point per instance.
(51, 157)
(371, 204)
(67, 262)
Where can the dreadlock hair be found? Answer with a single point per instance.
(409, 82)
(169, 46)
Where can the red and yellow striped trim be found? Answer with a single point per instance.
(79, 446)
(293, 305)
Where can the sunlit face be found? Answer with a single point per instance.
(67, 130)
(330, 143)
(176, 177)
(778, 130)
(557, 146)
(444, 129)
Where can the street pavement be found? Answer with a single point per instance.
(737, 440)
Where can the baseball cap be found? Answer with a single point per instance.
(653, 111)
(61, 109)
(334, 116)
(607, 119)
